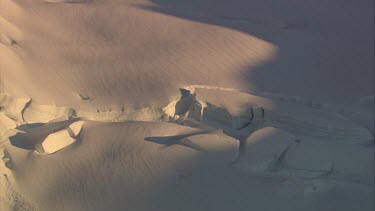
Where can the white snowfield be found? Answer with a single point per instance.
(186, 105)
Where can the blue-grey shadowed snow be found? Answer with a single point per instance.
(29, 140)
(182, 139)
